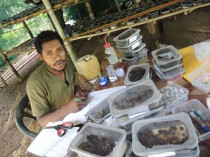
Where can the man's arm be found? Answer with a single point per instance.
(71, 107)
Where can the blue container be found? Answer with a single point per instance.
(103, 81)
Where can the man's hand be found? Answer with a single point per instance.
(77, 103)
(81, 93)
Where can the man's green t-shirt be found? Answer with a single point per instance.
(47, 92)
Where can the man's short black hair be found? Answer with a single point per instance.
(46, 36)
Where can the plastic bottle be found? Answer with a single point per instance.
(110, 53)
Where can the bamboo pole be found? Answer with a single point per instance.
(89, 10)
(2, 82)
(117, 5)
(27, 29)
(67, 44)
(11, 66)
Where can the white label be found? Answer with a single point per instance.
(142, 111)
(135, 45)
(132, 39)
(163, 154)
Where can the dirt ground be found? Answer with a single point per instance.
(185, 31)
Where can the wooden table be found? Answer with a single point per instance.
(193, 92)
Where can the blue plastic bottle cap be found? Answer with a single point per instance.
(103, 81)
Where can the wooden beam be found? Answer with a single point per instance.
(139, 23)
(61, 5)
(27, 29)
(11, 66)
(131, 17)
(152, 31)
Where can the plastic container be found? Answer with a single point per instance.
(99, 112)
(129, 152)
(140, 49)
(165, 10)
(142, 97)
(133, 46)
(133, 60)
(176, 7)
(126, 120)
(169, 75)
(166, 57)
(198, 106)
(127, 37)
(167, 69)
(173, 95)
(137, 73)
(88, 66)
(116, 135)
(181, 129)
(203, 83)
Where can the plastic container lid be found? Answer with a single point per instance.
(166, 57)
(180, 121)
(116, 135)
(169, 75)
(132, 46)
(167, 69)
(142, 97)
(137, 70)
(127, 37)
(191, 105)
(99, 112)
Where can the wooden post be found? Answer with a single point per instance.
(67, 44)
(11, 66)
(89, 10)
(152, 31)
(2, 82)
(27, 29)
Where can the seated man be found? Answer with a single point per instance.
(50, 87)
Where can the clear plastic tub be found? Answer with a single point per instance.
(169, 75)
(203, 83)
(140, 49)
(134, 60)
(126, 120)
(142, 97)
(173, 95)
(166, 57)
(99, 112)
(127, 37)
(114, 137)
(129, 152)
(200, 108)
(131, 47)
(136, 73)
(167, 69)
(172, 133)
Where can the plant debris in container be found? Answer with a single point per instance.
(164, 136)
(136, 74)
(132, 99)
(101, 113)
(97, 145)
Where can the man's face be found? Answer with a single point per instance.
(54, 55)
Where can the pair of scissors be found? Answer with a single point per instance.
(62, 128)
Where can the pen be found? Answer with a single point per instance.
(204, 127)
(201, 117)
